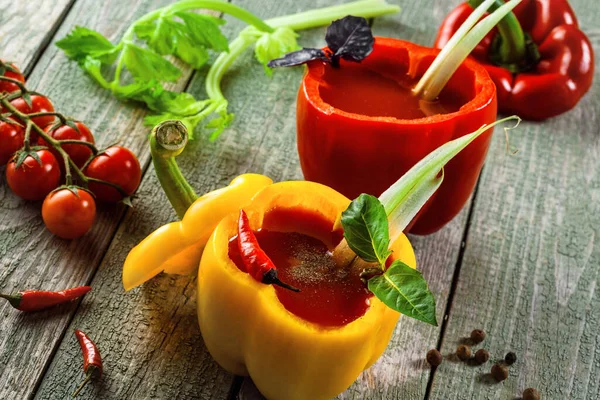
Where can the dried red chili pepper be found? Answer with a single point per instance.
(92, 360)
(257, 262)
(37, 300)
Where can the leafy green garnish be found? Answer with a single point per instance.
(82, 42)
(140, 69)
(366, 229)
(404, 289)
(371, 224)
(146, 65)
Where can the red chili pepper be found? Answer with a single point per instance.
(37, 300)
(92, 360)
(551, 71)
(257, 262)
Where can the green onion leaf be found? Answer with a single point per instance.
(404, 289)
(440, 72)
(403, 200)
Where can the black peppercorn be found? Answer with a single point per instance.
(499, 372)
(478, 336)
(510, 358)
(463, 352)
(482, 356)
(434, 357)
(531, 394)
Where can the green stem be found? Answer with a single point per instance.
(512, 48)
(57, 146)
(324, 16)
(224, 7)
(167, 141)
(304, 20)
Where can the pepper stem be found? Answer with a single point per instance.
(13, 299)
(511, 48)
(167, 141)
(270, 278)
(88, 377)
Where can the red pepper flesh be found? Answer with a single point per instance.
(355, 153)
(257, 262)
(562, 76)
(37, 300)
(92, 360)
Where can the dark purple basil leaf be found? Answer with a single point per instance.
(350, 38)
(298, 57)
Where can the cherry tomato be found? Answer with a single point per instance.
(11, 140)
(32, 180)
(116, 165)
(69, 215)
(79, 153)
(10, 87)
(38, 104)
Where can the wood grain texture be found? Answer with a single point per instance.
(31, 257)
(26, 27)
(264, 129)
(401, 372)
(529, 277)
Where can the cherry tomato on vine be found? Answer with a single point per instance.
(11, 140)
(10, 87)
(116, 165)
(69, 214)
(32, 180)
(38, 104)
(79, 153)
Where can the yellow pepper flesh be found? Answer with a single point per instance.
(249, 332)
(177, 247)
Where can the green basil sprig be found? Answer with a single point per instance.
(371, 224)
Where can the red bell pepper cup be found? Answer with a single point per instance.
(355, 153)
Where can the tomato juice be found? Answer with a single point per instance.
(330, 296)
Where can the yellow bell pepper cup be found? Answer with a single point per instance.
(244, 325)
(249, 332)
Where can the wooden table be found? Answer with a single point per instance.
(521, 261)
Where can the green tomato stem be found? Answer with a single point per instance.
(512, 46)
(167, 141)
(69, 164)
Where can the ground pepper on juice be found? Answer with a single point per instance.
(329, 296)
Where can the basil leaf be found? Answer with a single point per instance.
(350, 38)
(366, 229)
(146, 65)
(404, 289)
(298, 57)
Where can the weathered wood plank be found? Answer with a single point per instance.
(31, 257)
(529, 276)
(401, 372)
(265, 128)
(26, 27)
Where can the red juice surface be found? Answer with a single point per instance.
(329, 296)
(359, 90)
